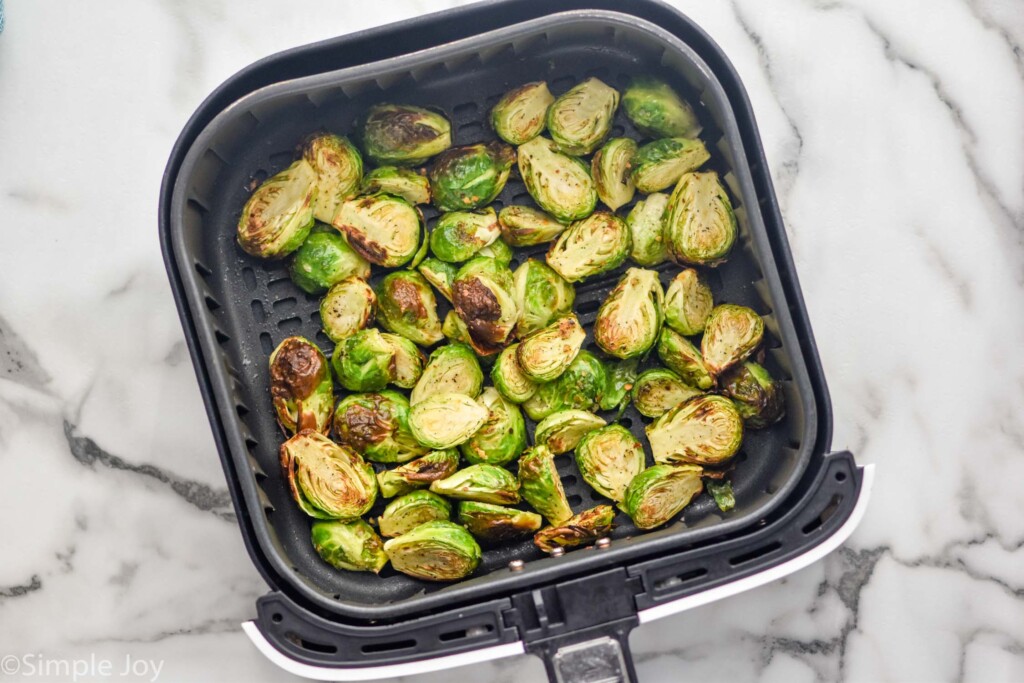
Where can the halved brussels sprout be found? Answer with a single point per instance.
(705, 430)
(589, 247)
(542, 295)
(452, 368)
(409, 360)
(581, 119)
(455, 331)
(327, 481)
(384, 229)
(520, 115)
(440, 274)
(418, 473)
(561, 432)
(731, 334)
(503, 436)
(688, 303)
(582, 386)
(377, 426)
(659, 390)
(325, 259)
(612, 169)
(544, 355)
(586, 527)
(481, 482)
(658, 493)
(499, 251)
(301, 386)
(722, 493)
(435, 551)
(660, 164)
(496, 523)
(608, 459)
(406, 183)
(700, 226)
(404, 135)
(470, 177)
(364, 362)
(278, 216)
(758, 397)
(446, 420)
(406, 306)
(407, 512)
(509, 378)
(646, 223)
(559, 183)
(684, 359)
(339, 168)
(459, 235)
(348, 306)
(541, 486)
(655, 108)
(482, 296)
(621, 377)
(353, 545)
(629, 320)
(524, 226)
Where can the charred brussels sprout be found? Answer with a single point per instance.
(520, 115)
(404, 135)
(705, 430)
(612, 169)
(621, 377)
(582, 386)
(482, 483)
(446, 420)
(364, 362)
(439, 274)
(409, 361)
(325, 259)
(688, 303)
(608, 459)
(384, 229)
(407, 512)
(353, 545)
(509, 378)
(495, 523)
(660, 164)
(590, 247)
(758, 397)
(655, 108)
(348, 307)
(459, 235)
(301, 386)
(406, 183)
(339, 168)
(503, 436)
(377, 426)
(700, 226)
(418, 473)
(541, 486)
(646, 223)
(658, 493)
(451, 369)
(684, 359)
(470, 177)
(581, 119)
(328, 481)
(586, 527)
(406, 306)
(659, 390)
(629, 320)
(722, 492)
(278, 216)
(561, 432)
(499, 251)
(482, 296)
(542, 296)
(731, 334)
(435, 551)
(544, 355)
(524, 226)
(559, 183)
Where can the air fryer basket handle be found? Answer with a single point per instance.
(601, 659)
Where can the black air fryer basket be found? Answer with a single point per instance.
(795, 502)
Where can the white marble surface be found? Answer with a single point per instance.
(895, 132)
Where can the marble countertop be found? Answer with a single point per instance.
(895, 137)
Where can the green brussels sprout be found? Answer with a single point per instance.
(731, 334)
(705, 430)
(481, 482)
(404, 135)
(621, 377)
(503, 436)
(688, 303)
(509, 378)
(348, 307)
(659, 390)
(592, 246)
(377, 427)
(700, 226)
(459, 235)
(542, 296)
(327, 481)
(456, 332)
(541, 486)
(418, 473)
(351, 545)
(608, 459)
(435, 551)
(562, 431)
(384, 229)
(559, 183)
(325, 259)
(446, 420)
(721, 492)
(655, 108)
(629, 320)
(612, 169)
(339, 168)
(545, 354)
(586, 527)
(406, 306)
(579, 120)
(409, 361)
(521, 114)
(407, 512)
(684, 359)
(525, 226)
(646, 223)
(451, 369)
(496, 523)
(582, 386)
(657, 494)
(277, 218)
(406, 183)
(499, 251)
(660, 164)
(301, 386)
(470, 177)
(364, 362)
(482, 296)
(758, 398)
(440, 274)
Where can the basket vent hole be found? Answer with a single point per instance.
(281, 288)
(249, 278)
(471, 129)
(266, 343)
(258, 312)
(471, 632)
(562, 83)
(290, 325)
(221, 337)
(314, 646)
(203, 270)
(241, 410)
(594, 495)
(286, 305)
(840, 476)
(825, 515)
(276, 618)
(467, 109)
(569, 480)
(388, 646)
(617, 131)
(626, 422)
(588, 306)
(754, 554)
(211, 303)
(575, 500)
(679, 579)
(197, 206)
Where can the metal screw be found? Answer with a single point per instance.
(604, 542)
(558, 552)
(516, 565)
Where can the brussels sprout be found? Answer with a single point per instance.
(503, 436)
(688, 303)
(559, 183)
(545, 354)
(509, 378)
(660, 164)
(731, 334)
(721, 491)
(456, 332)
(459, 235)
(278, 216)
(495, 523)
(348, 307)
(589, 247)
(659, 390)
(542, 295)
(364, 362)
(621, 377)
(524, 226)
(581, 118)
(406, 306)
(541, 486)
(520, 115)
(758, 397)
(377, 426)
(418, 473)
(384, 229)
(446, 420)
(612, 169)
(482, 296)
(407, 512)
(705, 430)
(655, 108)
(608, 459)
(582, 386)
(406, 183)
(470, 177)
(435, 551)
(327, 481)
(301, 386)
(452, 368)
(481, 482)
(325, 259)
(339, 168)
(409, 360)
(439, 274)
(646, 223)
(562, 431)
(700, 226)
(404, 135)
(658, 493)
(499, 251)
(353, 545)
(586, 527)
(629, 320)
(684, 359)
